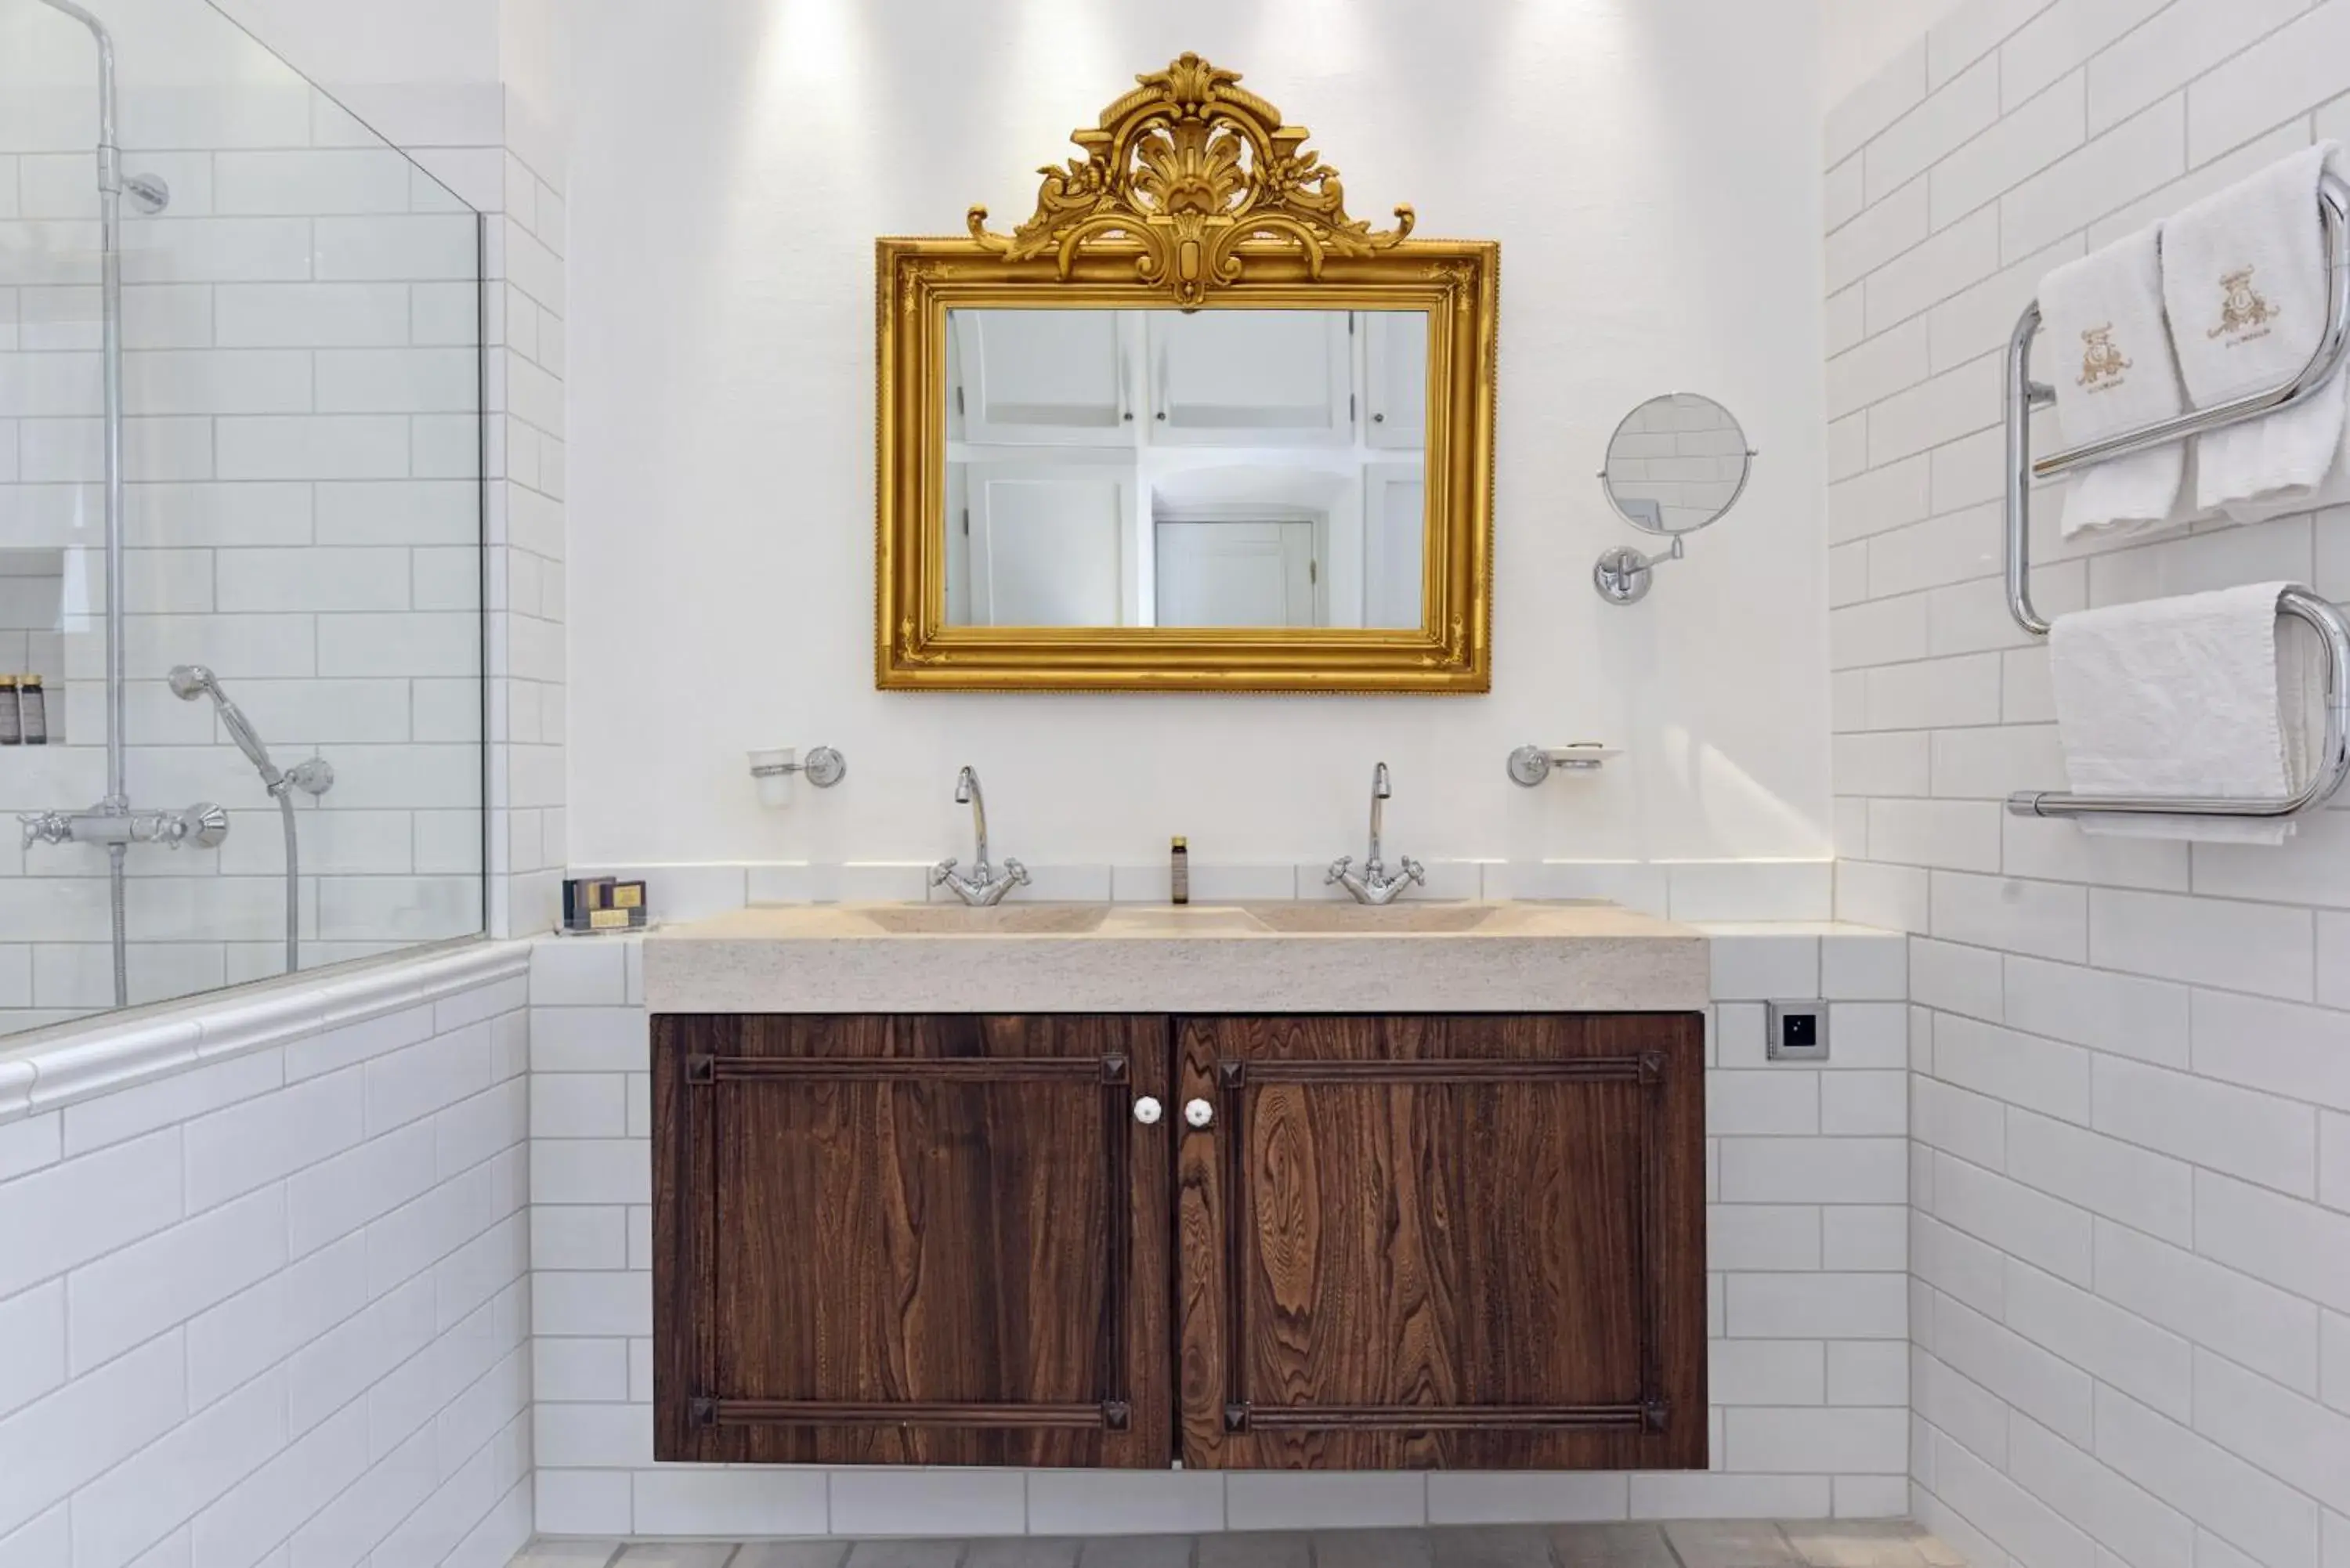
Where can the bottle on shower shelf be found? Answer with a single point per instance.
(12, 723)
(32, 712)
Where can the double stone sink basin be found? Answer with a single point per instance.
(1079, 919)
(1292, 957)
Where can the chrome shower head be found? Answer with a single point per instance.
(190, 682)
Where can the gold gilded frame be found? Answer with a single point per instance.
(1191, 192)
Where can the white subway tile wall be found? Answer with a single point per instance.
(1808, 1293)
(2130, 1187)
(309, 363)
(277, 1308)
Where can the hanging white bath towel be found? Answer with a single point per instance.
(2112, 365)
(2205, 695)
(2244, 278)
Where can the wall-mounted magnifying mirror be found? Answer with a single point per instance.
(1677, 463)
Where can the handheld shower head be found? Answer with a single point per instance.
(190, 682)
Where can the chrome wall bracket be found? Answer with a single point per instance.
(1530, 765)
(824, 767)
(1624, 576)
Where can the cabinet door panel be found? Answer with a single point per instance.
(1048, 544)
(911, 1240)
(1416, 1242)
(1250, 378)
(1043, 378)
(1396, 368)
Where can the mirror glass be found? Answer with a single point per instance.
(1234, 468)
(1677, 463)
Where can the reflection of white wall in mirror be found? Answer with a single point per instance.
(708, 366)
(1678, 460)
(1213, 419)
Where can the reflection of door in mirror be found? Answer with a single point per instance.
(1237, 573)
(1163, 467)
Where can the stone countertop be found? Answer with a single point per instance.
(1311, 957)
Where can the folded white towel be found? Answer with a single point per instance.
(2114, 370)
(2193, 696)
(2244, 276)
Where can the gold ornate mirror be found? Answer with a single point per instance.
(1191, 426)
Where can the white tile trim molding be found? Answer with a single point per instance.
(110, 1052)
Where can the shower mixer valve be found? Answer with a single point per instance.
(202, 824)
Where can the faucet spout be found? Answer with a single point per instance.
(1372, 885)
(980, 887)
(968, 792)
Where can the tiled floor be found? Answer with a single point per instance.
(1731, 1543)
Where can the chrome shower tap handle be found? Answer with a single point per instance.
(46, 827)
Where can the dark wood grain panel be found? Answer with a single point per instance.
(912, 1241)
(1468, 1242)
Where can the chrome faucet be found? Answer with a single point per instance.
(982, 888)
(1372, 885)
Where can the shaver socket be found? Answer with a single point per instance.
(1797, 1032)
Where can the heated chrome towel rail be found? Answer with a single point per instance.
(2024, 395)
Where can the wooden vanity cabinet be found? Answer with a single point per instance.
(909, 1240)
(1468, 1241)
(1471, 1242)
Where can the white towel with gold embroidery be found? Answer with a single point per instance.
(2244, 278)
(2108, 353)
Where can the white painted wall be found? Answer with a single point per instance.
(1658, 218)
(1858, 37)
(2131, 1172)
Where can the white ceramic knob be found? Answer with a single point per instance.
(1199, 1113)
(1146, 1111)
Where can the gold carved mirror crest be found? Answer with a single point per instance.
(1190, 426)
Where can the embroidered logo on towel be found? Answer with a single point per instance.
(2102, 361)
(2244, 316)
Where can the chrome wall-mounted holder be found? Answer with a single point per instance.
(1678, 464)
(1624, 576)
(777, 766)
(1530, 765)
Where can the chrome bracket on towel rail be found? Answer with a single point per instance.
(2023, 395)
